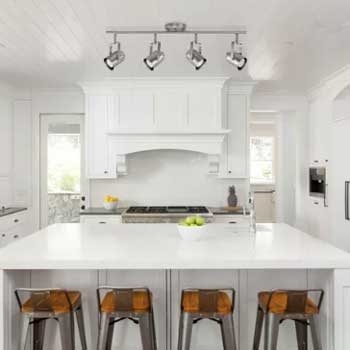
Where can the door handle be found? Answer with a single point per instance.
(347, 214)
(325, 197)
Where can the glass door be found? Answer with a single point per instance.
(62, 169)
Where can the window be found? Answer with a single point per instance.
(261, 159)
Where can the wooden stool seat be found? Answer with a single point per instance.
(140, 302)
(279, 302)
(54, 301)
(191, 303)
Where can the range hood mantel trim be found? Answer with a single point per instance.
(207, 142)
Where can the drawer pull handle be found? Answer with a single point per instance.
(102, 222)
(16, 220)
(15, 236)
(316, 203)
(232, 222)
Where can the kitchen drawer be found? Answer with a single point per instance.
(226, 219)
(9, 222)
(101, 219)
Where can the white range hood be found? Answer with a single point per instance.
(146, 114)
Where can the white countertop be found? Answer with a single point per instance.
(158, 246)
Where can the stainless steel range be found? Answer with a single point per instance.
(170, 214)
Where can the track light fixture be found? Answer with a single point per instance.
(156, 56)
(235, 56)
(115, 57)
(194, 54)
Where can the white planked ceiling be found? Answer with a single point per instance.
(55, 43)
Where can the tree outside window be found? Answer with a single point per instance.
(261, 159)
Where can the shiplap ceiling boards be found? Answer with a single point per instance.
(55, 43)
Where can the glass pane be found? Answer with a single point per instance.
(261, 171)
(63, 172)
(261, 148)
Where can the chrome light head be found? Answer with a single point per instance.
(115, 57)
(194, 54)
(235, 56)
(156, 56)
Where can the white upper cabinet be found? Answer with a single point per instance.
(319, 131)
(128, 116)
(98, 117)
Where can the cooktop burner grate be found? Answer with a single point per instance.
(168, 210)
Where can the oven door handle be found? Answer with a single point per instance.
(347, 187)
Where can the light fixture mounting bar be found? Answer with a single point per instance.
(112, 30)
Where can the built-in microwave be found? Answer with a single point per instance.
(317, 182)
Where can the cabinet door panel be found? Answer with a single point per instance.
(5, 138)
(98, 165)
(237, 147)
(171, 110)
(203, 110)
(136, 110)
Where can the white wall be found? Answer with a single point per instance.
(167, 177)
(6, 98)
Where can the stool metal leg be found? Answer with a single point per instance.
(301, 331)
(146, 331)
(153, 325)
(66, 324)
(103, 331)
(228, 333)
(271, 331)
(185, 331)
(110, 335)
(80, 321)
(258, 328)
(38, 333)
(315, 333)
(25, 320)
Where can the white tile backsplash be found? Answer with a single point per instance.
(167, 177)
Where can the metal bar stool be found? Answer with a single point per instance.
(51, 303)
(118, 304)
(296, 305)
(213, 304)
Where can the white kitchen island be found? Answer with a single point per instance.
(83, 256)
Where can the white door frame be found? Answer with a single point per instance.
(45, 119)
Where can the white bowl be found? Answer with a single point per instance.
(190, 233)
(110, 205)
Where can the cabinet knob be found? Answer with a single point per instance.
(106, 172)
(316, 161)
(316, 203)
(15, 236)
(3, 235)
(229, 171)
(83, 198)
(16, 220)
(82, 207)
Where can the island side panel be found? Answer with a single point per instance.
(86, 281)
(126, 333)
(341, 285)
(323, 279)
(206, 334)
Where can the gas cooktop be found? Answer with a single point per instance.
(168, 210)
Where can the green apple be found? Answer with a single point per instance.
(190, 220)
(199, 221)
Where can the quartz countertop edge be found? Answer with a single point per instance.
(91, 246)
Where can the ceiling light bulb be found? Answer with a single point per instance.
(195, 56)
(115, 57)
(155, 57)
(235, 56)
